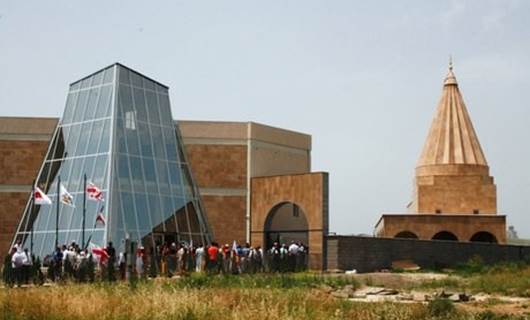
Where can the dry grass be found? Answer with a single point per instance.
(162, 301)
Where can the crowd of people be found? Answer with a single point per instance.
(164, 259)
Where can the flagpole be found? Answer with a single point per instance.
(57, 213)
(84, 212)
(30, 216)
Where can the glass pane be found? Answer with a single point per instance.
(95, 137)
(70, 107)
(105, 137)
(152, 107)
(80, 106)
(91, 104)
(165, 110)
(139, 104)
(84, 136)
(109, 75)
(124, 76)
(145, 140)
(158, 142)
(125, 101)
(104, 102)
(98, 77)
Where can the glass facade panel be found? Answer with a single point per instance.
(121, 132)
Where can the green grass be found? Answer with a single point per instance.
(269, 281)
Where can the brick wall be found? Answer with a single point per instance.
(367, 254)
(226, 216)
(19, 163)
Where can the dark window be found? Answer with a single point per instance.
(476, 211)
(438, 211)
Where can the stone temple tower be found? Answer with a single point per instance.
(454, 196)
(452, 175)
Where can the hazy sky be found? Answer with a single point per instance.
(362, 77)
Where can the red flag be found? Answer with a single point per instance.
(94, 193)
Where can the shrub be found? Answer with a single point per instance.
(441, 307)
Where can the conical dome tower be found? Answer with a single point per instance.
(452, 174)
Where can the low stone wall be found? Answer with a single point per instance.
(366, 254)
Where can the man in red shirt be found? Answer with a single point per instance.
(213, 252)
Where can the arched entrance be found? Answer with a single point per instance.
(445, 235)
(483, 236)
(286, 222)
(406, 235)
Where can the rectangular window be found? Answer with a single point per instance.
(130, 120)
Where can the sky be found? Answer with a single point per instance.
(362, 77)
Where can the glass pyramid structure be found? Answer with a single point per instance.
(117, 128)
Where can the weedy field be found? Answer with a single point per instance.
(295, 296)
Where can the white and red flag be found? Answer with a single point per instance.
(100, 218)
(93, 192)
(98, 252)
(66, 197)
(40, 197)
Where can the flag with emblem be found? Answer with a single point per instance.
(66, 197)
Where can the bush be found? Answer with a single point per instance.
(441, 307)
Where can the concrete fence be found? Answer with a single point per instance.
(366, 254)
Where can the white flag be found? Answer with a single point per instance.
(40, 197)
(66, 197)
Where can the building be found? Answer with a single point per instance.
(232, 164)
(454, 196)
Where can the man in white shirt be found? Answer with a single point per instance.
(17, 262)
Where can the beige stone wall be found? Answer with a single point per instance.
(309, 192)
(456, 194)
(426, 226)
(218, 166)
(269, 160)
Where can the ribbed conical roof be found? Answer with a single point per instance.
(452, 138)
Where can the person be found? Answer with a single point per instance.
(140, 256)
(181, 258)
(57, 263)
(283, 257)
(27, 266)
(111, 252)
(245, 252)
(226, 258)
(172, 259)
(293, 256)
(122, 263)
(213, 251)
(17, 260)
(199, 258)
(275, 257)
(8, 270)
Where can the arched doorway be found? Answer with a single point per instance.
(406, 235)
(286, 222)
(483, 236)
(445, 235)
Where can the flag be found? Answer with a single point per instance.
(98, 252)
(40, 197)
(100, 218)
(66, 197)
(234, 249)
(93, 192)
